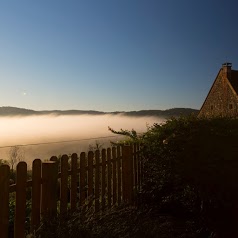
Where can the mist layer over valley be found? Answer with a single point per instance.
(34, 133)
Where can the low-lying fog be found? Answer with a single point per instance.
(44, 129)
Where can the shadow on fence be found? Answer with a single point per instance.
(97, 180)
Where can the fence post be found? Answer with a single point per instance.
(82, 179)
(97, 180)
(36, 194)
(114, 176)
(90, 178)
(119, 175)
(103, 177)
(74, 182)
(49, 189)
(109, 178)
(20, 212)
(127, 174)
(64, 184)
(4, 200)
(140, 169)
(135, 167)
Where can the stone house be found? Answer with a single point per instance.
(222, 99)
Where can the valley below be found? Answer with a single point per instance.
(42, 134)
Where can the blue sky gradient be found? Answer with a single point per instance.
(113, 55)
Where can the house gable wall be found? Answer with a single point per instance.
(221, 100)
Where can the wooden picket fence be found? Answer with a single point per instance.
(96, 180)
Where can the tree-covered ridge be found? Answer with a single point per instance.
(14, 111)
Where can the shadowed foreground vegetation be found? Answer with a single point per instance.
(189, 189)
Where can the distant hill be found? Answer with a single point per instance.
(14, 111)
(174, 112)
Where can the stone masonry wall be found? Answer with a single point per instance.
(221, 100)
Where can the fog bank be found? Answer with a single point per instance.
(44, 129)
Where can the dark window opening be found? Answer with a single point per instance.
(230, 106)
(212, 107)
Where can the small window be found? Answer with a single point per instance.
(230, 106)
(212, 107)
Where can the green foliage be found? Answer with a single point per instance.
(131, 136)
(190, 168)
(2, 161)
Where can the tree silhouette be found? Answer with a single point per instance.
(16, 154)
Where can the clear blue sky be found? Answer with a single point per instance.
(111, 55)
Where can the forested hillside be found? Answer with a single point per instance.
(14, 111)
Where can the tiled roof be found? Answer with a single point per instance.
(234, 80)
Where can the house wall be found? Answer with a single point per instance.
(221, 100)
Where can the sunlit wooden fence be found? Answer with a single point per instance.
(96, 180)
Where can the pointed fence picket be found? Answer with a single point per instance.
(97, 180)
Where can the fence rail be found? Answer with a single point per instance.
(97, 180)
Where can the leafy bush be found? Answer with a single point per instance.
(190, 169)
